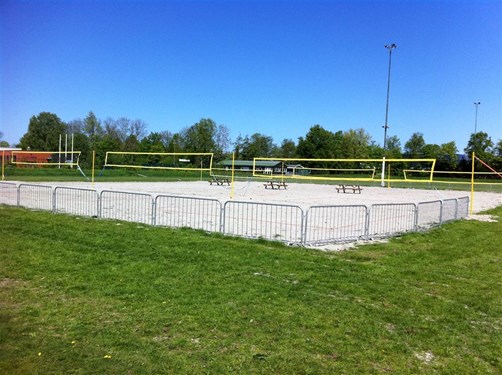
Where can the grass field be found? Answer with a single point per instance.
(84, 296)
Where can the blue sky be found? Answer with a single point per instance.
(270, 67)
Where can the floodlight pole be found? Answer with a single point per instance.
(476, 118)
(386, 126)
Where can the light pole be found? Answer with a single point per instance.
(476, 118)
(386, 126)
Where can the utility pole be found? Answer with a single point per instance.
(386, 126)
(476, 118)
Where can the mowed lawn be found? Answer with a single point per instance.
(83, 296)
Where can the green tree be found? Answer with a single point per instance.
(200, 137)
(152, 143)
(81, 143)
(481, 144)
(355, 144)
(498, 149)
(92, 128)
(287, 149)
(447, 159)
(393, 150)
(43, 133)
(258, 145)
(320, 143)
(414, 147)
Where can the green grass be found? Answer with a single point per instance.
(84, 296)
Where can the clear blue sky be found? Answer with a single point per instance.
(270, 67)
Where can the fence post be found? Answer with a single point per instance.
(367, 224)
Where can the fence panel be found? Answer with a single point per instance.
(462, 207)
(266, 220)
(391, 219)
(8, 193)
(38, 197)
(428, 214)
(448, 210)
(119, 205)
(196, 213)
(324, 224)
(76, 201)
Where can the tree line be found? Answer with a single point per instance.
(127, 135)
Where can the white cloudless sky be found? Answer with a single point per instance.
(270, 67)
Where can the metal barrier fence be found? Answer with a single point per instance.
(196, 213)
(325, 224)
(120, 205)
(38, 197)
(390, 219)
(428, 214)
(280, 222)
(76, 201)
(8, 193)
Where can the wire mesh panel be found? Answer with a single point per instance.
(265, 220)
(8, 193)
(462, 207)
(448, 210)
(391, 219)
(75, 201)
(428, 214)
(38, 197)
(119, 205)
(196, 213)
(324, 224)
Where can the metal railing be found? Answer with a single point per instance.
(281, 222)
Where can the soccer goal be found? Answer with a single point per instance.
(384, 170)
(46, 158)
(199, 161)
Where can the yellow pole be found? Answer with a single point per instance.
(233, 167)
(472, 184)
(93, 159)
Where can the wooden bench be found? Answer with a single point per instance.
(219, 180)
(349, 189)
(275, 185)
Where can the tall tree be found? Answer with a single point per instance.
(93, 129)
(355, 144)
(287, 149)
(393, 148)
(258, 145)
(447, 158)
(43, 133)
(320, 143)
(481, 144)
(414, 147)
(200, 137)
